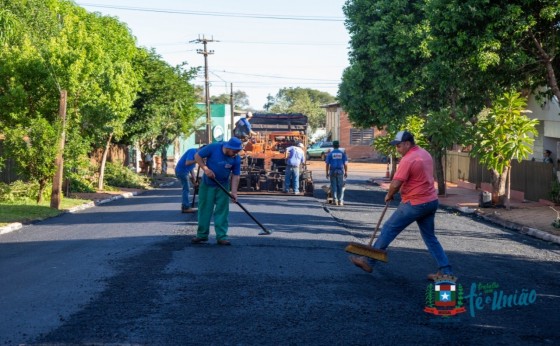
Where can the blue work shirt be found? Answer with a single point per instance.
(295, 156)
(181, 168)
(336, 159)
(221, 164)
(246, 122)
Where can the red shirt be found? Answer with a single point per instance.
(416, 171)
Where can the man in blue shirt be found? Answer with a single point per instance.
(294, 158)
(243, 129)
(222, 161)
(184, 172)
(337, 170)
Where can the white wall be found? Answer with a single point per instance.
(549, 128)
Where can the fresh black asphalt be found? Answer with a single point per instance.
(125, 272)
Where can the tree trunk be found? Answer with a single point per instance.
(56, 194)
(164, 160)
(440, 176)
(499, 187)
(42, 186)
(103, 160)
(393, 167)
(508, 189)
(547, 61)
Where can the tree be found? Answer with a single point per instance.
(305, 101)
(500, 136)
(62, 47)
(393, 72)
(269, 102)
(240, 99)
(514, 41)
(29, 145)
(442, 131)
(165, 106)
(30, 85)
(444, 59)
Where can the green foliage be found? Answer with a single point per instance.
(382, 146)
(166, 102)
(302, 100)
(119, 176)
(442, 131)
(386, 79)
(444, 60)
(33, 147)
(499, 43)
(504, 133)
(59, 46)
(80, 182)
(412, 124)
(555, 191)
(240, 99)
(20, 191)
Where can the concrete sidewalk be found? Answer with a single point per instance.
(531, 218)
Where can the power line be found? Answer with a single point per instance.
(261, 42)
(219, 14)
(276, 77)
(289, 43)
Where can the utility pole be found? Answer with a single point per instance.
(232, 109)
(205, 52)
(56, 194)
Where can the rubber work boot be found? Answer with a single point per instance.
(362, 263)
(197, 240)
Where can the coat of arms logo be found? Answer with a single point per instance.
(444, 297)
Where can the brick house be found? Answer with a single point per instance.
(357, 142)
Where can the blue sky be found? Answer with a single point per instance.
(263, 45)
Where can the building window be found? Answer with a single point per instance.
(361, 137)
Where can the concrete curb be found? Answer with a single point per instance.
(533, 232)
(11, 227)
(17, 225)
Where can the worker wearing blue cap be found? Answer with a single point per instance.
(218, 161)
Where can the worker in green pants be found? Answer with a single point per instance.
(212, 200)
(218, 161)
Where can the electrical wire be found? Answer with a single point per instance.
(219, 14)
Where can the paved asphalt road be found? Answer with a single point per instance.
(126, 273)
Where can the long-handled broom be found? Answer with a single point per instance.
(264, 230)
(196, 186)
(367, 250)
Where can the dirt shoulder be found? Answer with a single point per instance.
(158, 181)
(102, 195)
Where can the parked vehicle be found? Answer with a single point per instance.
(320, 150)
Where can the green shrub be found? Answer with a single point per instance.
(82, 180)
(555, 191)
(23, 191)
(120, 176)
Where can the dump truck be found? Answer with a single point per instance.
(263, 157)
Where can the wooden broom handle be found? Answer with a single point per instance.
(378, 223)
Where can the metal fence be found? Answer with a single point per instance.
(534, 179)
